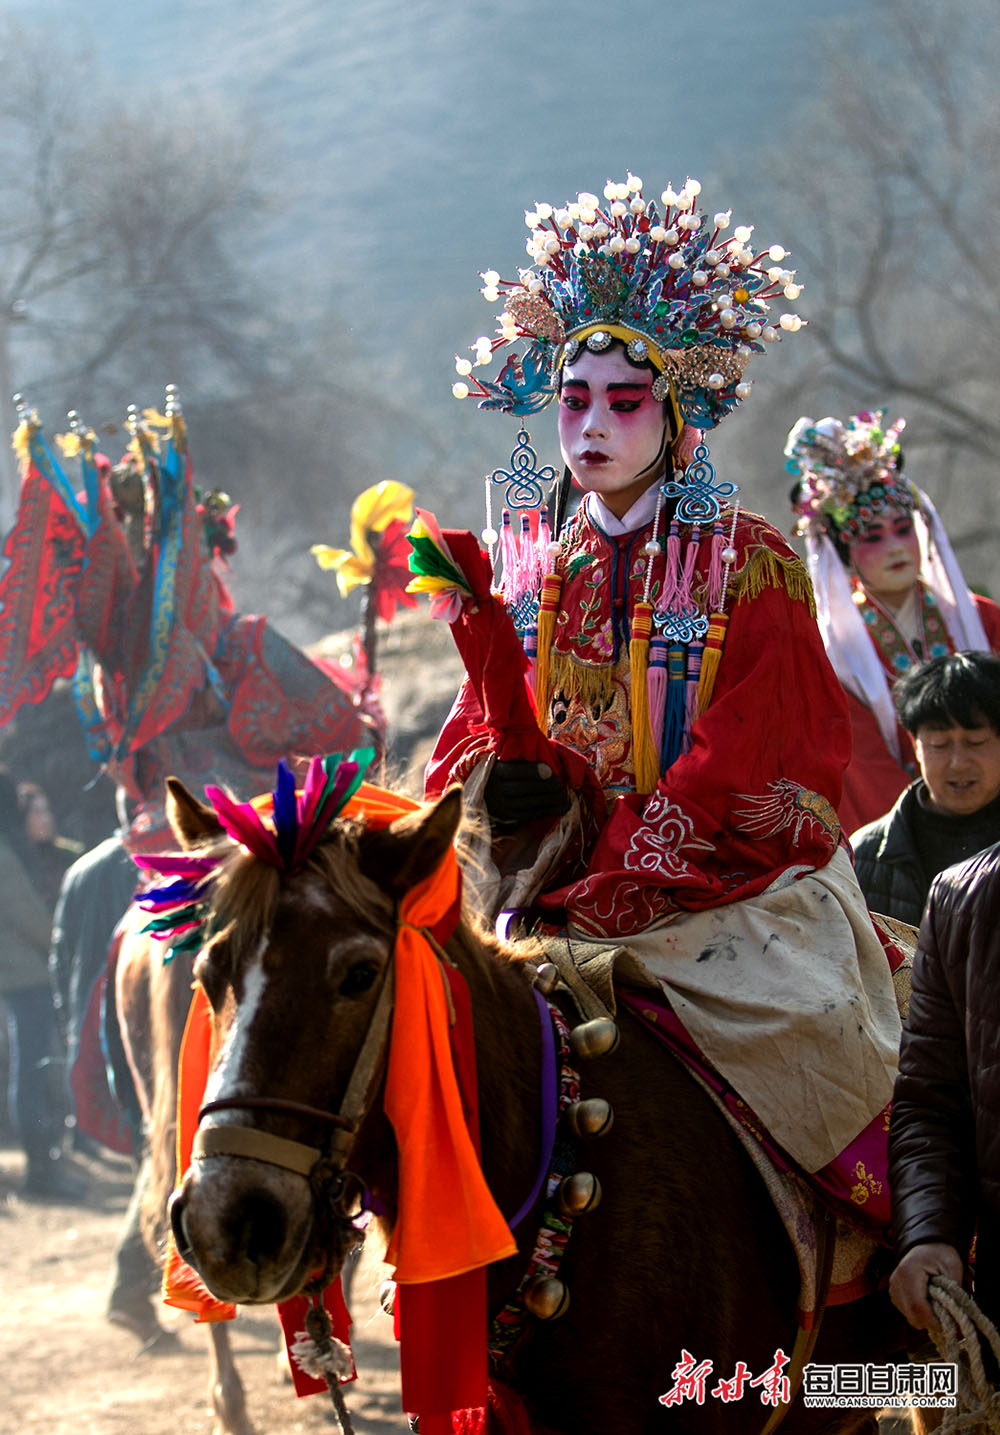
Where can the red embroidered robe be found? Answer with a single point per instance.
(755, 793)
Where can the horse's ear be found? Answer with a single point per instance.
(192, 822)
(399, 856)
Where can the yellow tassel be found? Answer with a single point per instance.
(645, 760)
(767, 569)
(548, 608)
(710, 659)
(584, 683)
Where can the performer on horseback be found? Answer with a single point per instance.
(889, 591)
(681, 796)
(119, 580)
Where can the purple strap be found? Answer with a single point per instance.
(550, 1112)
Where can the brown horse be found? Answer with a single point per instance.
(684, 1252)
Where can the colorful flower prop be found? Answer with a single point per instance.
(436, 572)
(683, 291)
(283, 837)
(379, 519)
(850, 474)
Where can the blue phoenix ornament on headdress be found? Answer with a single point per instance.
(675, 287)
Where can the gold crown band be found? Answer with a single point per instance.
(656, 356)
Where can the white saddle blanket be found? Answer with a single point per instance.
(790, 997)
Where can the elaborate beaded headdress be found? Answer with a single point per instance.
(677, 288)
(850, 475)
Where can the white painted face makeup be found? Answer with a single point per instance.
(611, 429)
(886, 557)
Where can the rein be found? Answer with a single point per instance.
(550, 1107)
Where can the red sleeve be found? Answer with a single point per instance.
(755, 794)
(464, 740)
(874, 779)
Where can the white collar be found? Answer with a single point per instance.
(641, 512)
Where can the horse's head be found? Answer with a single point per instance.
(297, 971)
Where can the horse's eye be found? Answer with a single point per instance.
(359, 979)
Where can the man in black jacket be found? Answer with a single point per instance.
(951, 706)
(944, 1137)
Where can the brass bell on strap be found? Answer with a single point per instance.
(579, 1193)
(594, 1038)
(546, 1297)
(546, 977)
(593, 1117)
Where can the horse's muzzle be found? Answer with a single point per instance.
(242, 1244)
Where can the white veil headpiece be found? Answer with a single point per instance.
(845, 637)
(940, 571)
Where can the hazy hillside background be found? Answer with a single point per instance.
(394, 145)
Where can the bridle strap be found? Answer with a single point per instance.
(368, 1068)
(258, 1145)
(271, 1103)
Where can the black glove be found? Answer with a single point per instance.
(519, 792)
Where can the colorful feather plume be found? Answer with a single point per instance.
(178, 907)
(283, 837)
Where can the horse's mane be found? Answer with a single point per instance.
(243, 892)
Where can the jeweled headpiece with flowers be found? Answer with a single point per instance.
(677, 288)
(850, 475)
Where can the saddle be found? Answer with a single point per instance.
(591, 974)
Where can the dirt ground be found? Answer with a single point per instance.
(66, 1371)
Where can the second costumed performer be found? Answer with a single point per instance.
(661, 760)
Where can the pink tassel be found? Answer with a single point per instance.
(656, 687)
(544, 558)
(509, 561)
(695, 651)
(690, 559)
(715, 570)
(531, 576)
(672, 569)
